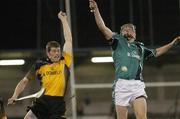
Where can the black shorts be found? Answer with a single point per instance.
(49, 107)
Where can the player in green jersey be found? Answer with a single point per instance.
(128, 56)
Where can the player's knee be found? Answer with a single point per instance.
(121, 115)
(141, 116)
(30, 115)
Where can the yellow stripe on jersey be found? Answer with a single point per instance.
(52, 76)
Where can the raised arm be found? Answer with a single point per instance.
(67, 33)
(165, 48)
(99, 21)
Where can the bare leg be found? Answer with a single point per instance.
(122, 112)
(30, 115)
(140, 108)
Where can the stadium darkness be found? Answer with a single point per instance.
(19, 22)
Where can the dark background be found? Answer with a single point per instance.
(22, 26)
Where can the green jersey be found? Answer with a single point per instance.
(128, 57)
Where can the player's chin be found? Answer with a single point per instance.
(55, 60)
(131, 36)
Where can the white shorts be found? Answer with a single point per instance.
(126, 91)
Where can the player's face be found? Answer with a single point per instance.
(54, 54)
(129, 32)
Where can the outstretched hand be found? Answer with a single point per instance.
(11, 101)
(62, 15)
(92, 5)
(176, 40)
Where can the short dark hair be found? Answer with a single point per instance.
(51, 44)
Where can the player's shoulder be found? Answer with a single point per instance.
(116, 35)
(42, 61)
